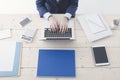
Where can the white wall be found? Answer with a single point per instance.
(103, 6)
(28, 6)
(17, 6)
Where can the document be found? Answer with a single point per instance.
(95, 23)
(5, 34)
(94, 26)
(9, 58)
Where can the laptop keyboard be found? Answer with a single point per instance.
(50, 34)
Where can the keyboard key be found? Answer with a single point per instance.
(49, 33)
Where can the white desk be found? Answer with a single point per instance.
(85, 68)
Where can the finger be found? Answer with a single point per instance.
(60, 28)
(52, 27)
(55, 26)
(63, 29)
(66, 28)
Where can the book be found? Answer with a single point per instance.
(9, 58)
(56, 63)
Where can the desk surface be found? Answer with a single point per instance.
(85, 68)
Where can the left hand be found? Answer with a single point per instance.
(63, 27)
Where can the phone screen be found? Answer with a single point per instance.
(25, 21)
(100, 55)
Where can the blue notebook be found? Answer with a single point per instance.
(56, 63)
(10, 65)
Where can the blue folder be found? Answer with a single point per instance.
(15, 70)
(56, 63)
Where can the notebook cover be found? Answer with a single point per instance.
(56, 63)
(16, 67)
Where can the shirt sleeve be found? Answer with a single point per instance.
(41, 7)
(47, 15)
(73, 5)
(68, 15)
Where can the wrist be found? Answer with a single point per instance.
(50, 17)
(68, 15)
(66, 18)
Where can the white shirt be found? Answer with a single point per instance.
(48, 14)
(57, 0)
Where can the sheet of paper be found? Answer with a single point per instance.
(5, 34)
(7, 54)
(95, 23)
(88, 32)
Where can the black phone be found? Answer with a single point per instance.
(100, 55)
(25, 21)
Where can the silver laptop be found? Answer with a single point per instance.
(49, 35)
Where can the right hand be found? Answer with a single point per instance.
(53, 24)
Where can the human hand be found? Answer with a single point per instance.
(53, 24)
(63, 27)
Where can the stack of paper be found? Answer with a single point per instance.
(9, 58)
(94, 26)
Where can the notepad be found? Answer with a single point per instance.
(5, 33)
(95, 23)
(9, 58)
(94, 26)
(56, 63)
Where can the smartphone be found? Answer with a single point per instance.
(25, 21)
(100, 55)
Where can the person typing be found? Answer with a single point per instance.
(48, 7)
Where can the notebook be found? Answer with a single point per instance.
(95, 23)
(94, 26)
(56, 63)
(9, 58)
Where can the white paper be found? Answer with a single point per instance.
(89, 34)
(7, 55)
(5, 33)
(95, 24)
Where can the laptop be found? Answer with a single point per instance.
(47, 34)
